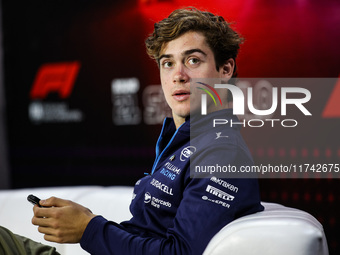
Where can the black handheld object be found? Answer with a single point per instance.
(34, 200)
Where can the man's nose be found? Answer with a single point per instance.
(180, 75)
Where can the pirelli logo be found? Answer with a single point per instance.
(219, 193)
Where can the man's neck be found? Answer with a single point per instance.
(178, 121)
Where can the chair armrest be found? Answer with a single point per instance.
(277, 230)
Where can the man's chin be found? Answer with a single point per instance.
(181, 114)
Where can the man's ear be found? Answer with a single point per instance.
(227, 68)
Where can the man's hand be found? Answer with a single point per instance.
(62, 221)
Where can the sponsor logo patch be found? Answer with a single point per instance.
(187, 152)
(219, 193)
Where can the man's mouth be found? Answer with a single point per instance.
(181, 95)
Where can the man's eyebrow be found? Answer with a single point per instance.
(188, 52)
(185, 53)
(164, 56)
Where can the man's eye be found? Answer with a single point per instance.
(193, 61)
(167, 64)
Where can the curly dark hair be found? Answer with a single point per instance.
(223, 41)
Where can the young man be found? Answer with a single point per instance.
(172, 212)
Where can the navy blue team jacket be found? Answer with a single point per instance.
(174, 213)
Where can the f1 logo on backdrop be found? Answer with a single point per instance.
(55, 77)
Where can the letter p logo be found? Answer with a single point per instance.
(237, 93)
(204, 97)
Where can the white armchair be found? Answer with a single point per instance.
(277, 230)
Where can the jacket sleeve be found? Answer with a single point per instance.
(204, 210)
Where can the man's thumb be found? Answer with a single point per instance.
(52, 201)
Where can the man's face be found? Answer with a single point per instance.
(182, 59)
